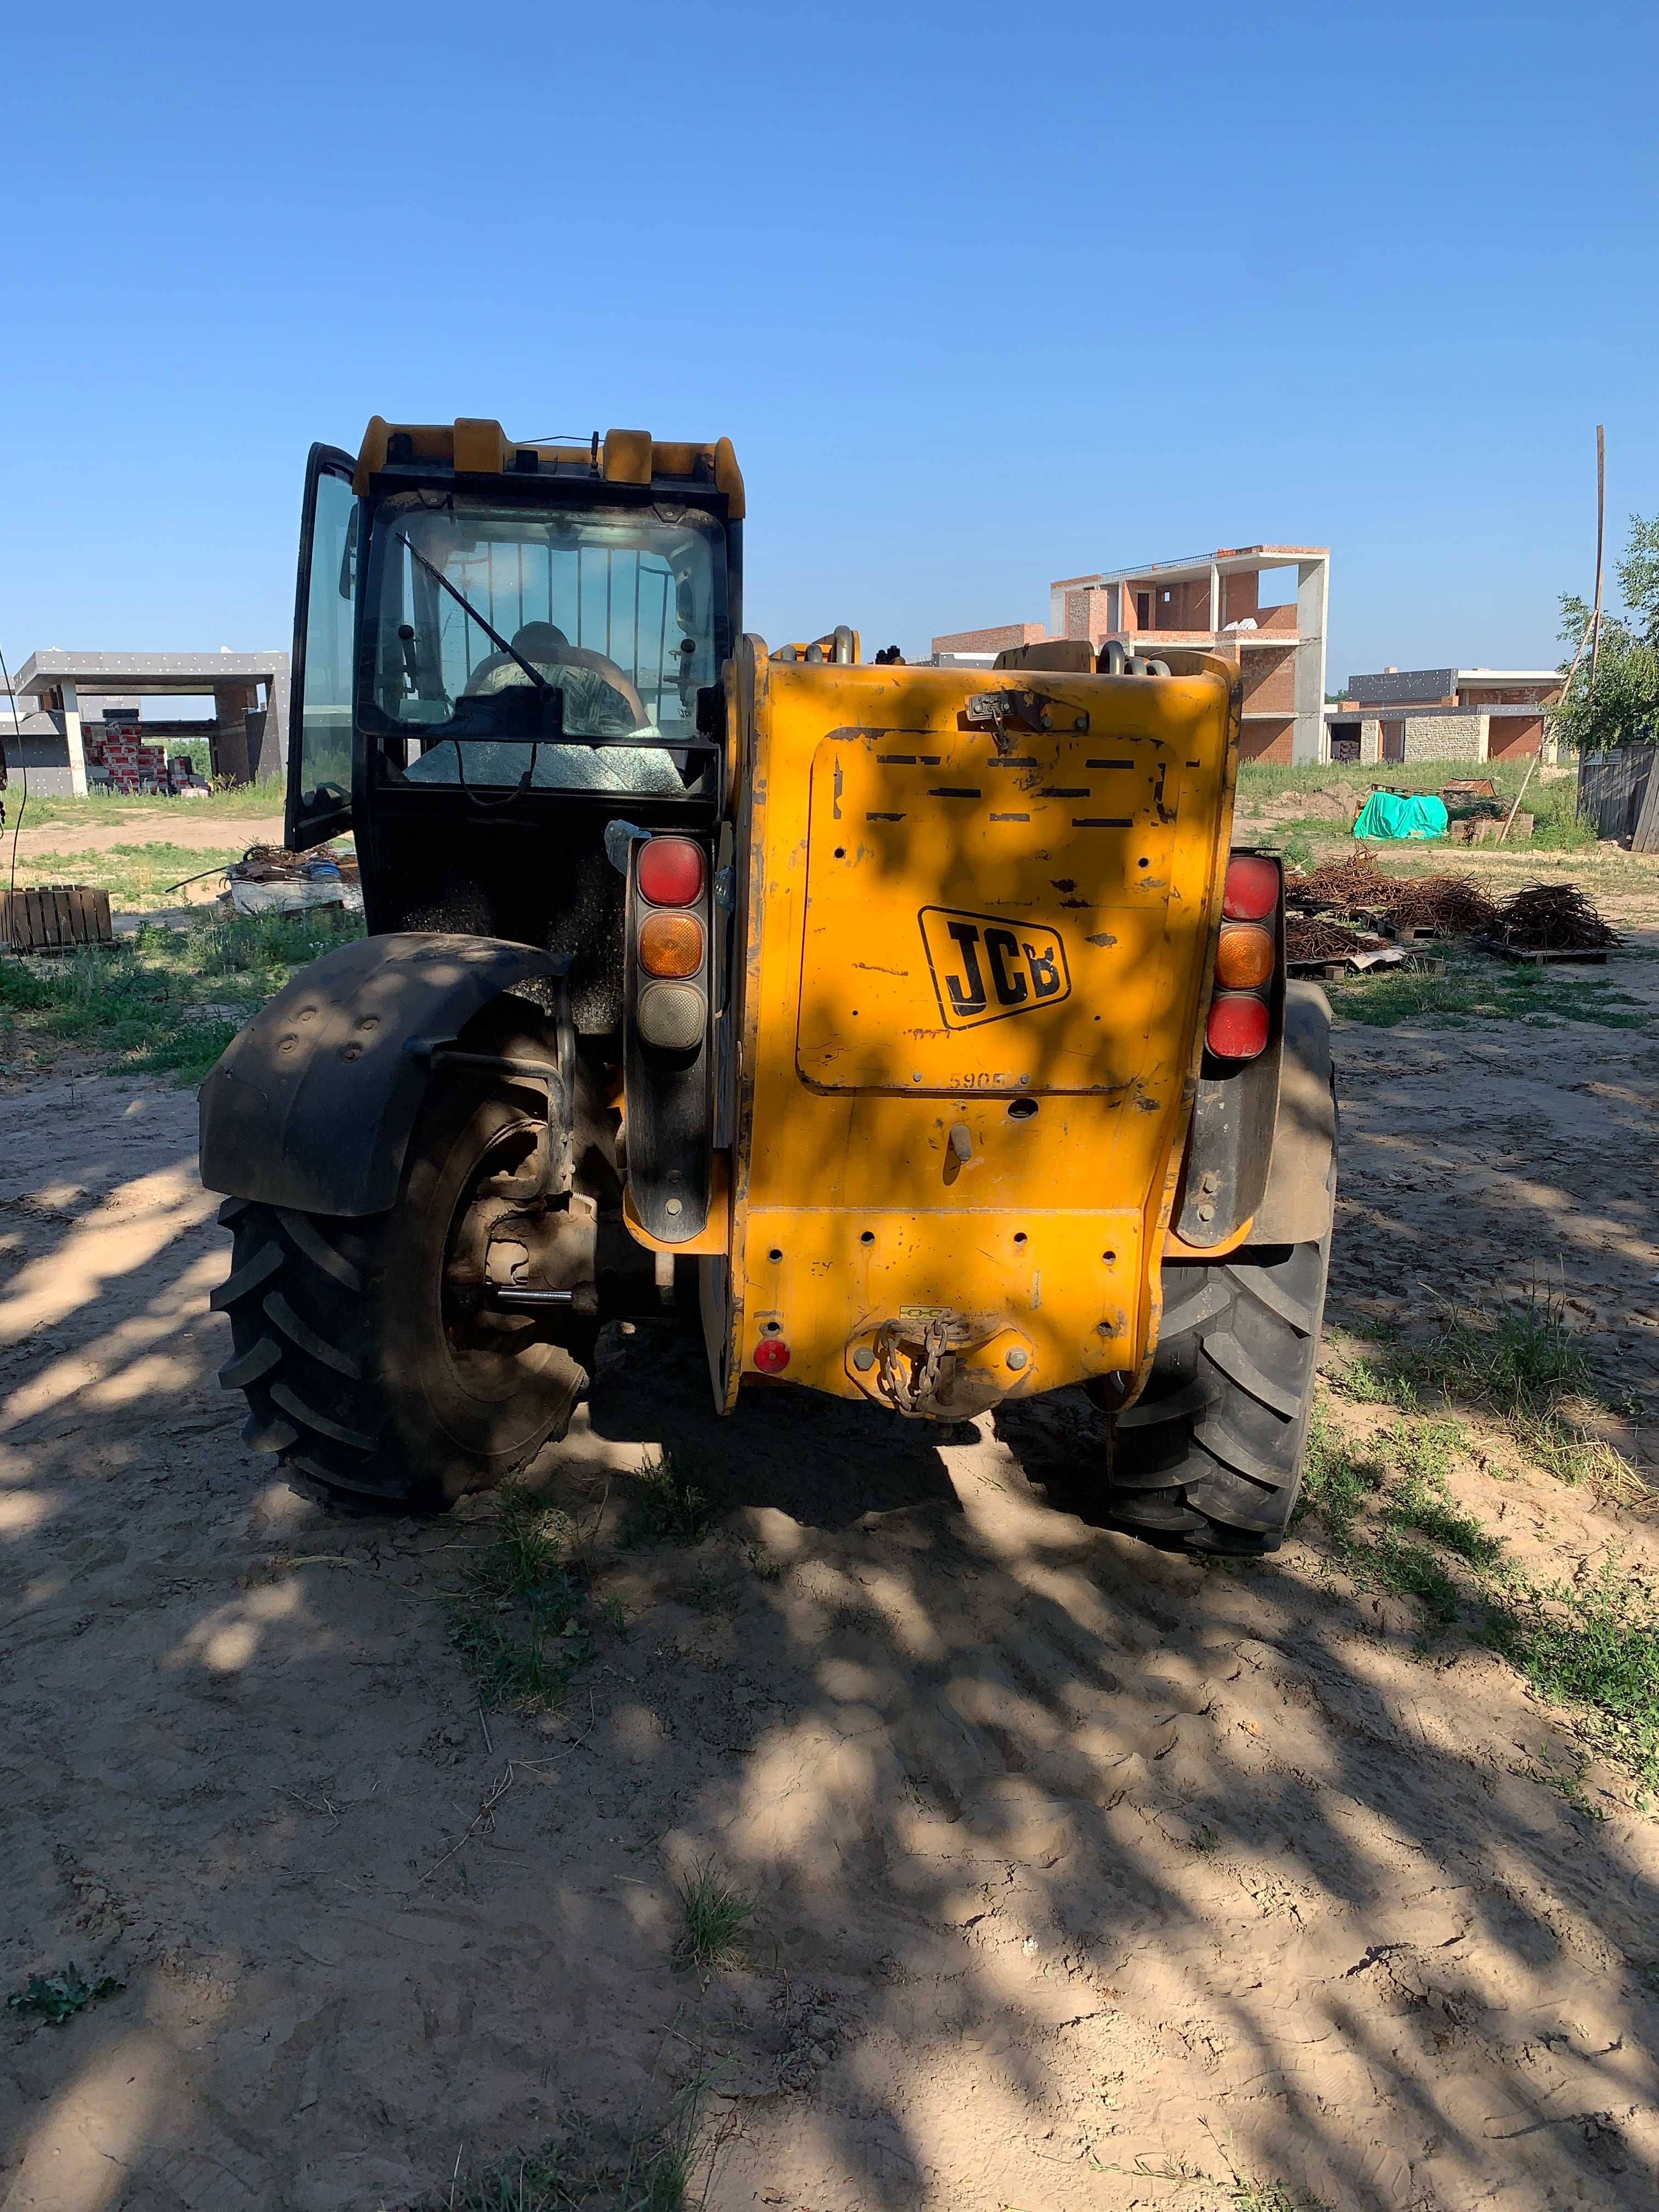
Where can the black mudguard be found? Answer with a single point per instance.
(1296, 1205)
(1261, 1138)
(311, 1107)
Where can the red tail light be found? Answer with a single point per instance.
(671, 871)
(1238, 1027)
(1251, 892)
(771, 1355)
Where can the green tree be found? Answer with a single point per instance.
(1624, 707)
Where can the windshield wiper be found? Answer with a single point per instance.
(493, 635)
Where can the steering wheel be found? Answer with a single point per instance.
(580, 656)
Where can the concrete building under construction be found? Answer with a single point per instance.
(1265, 606)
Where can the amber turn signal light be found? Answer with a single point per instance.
(671, 945)
(1244, 960)
(1251, 891)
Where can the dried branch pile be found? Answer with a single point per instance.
(1550, 918)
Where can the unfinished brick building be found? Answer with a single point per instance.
(1442, 713)
(1216, 603)
(1264, 606)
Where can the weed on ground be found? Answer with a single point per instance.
(673, 1505)
(55, 1999)
(717, 1919)
(162, 1001)
(1271, 2196)
(523, 1627)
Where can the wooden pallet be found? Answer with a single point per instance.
(1323, 971)
(1409, 933)
(56, 918)
(1331, 971)
(1598, 959)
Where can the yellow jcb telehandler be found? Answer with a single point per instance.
(916, 1024)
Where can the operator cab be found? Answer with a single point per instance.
(499, 649)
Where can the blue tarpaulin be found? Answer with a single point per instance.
(1386, 814)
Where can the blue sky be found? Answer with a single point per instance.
(984, 296)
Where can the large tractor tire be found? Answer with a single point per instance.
(364, 1372)
(1209, 1457)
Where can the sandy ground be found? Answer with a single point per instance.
(199, 829)
(1087, 1877)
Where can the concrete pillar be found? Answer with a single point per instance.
(275, 747)
(231, 704)
(1312, 600)
(77, 758)
(1215, 598)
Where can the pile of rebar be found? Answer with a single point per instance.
(1308, 937)
(1550, 918)
(1454, 905)
(1356, 885)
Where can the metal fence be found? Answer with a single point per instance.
(1618, 794)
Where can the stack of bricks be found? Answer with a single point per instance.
(132, 764)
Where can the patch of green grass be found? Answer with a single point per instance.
(716, 1918)
(1519, 1358)
(521, 1631)
(1478, 988)
(672, 1505)
(57, 1999)
(1352, 778)
(1596, 1648)
(133, 875)
(1271, 2196)
(146, 810)
(1391, 1523)
(162, 1000)
(532, 1540)
(1569, 1788)
(1524, 1363)
(1294, 840)
(1401, 1497)
(531, 1663)
(1422, 1502)
(647, 2166)
(1406, 1569)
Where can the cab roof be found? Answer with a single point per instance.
(476, 447)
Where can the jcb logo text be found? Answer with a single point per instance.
(986, 967)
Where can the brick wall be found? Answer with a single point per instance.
(1239, 598)
(1514, 737)
(1269, 681)
(1000, 638)
(1268, 741)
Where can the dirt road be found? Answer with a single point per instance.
(1086, 1877)
(206, 830)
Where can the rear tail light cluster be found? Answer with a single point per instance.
(1245, 959)
(671, 945)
